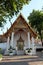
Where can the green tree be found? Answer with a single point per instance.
(36, 21)
(10, 7)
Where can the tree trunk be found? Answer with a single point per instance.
(41, 39)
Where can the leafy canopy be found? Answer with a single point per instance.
(10, 7)
(36, 21)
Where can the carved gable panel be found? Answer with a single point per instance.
(20, 24)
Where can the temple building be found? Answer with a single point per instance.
(19, 37)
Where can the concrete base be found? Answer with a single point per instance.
(20, 52)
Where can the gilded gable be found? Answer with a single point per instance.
(20, 24)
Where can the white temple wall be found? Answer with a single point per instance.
(3, 45)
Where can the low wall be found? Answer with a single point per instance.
(3, 45)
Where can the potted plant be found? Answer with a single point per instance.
(28, 50)
(10, 50)
(14, 50)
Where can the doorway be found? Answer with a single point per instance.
(20, 46)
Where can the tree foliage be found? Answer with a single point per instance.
(36, 21)
(10, 7)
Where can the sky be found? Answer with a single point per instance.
(26, 10)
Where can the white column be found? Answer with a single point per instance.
(28, 40)
(33, 44)
(7, 47)
(12, 39)
(7, 43)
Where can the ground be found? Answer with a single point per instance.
(23, 60)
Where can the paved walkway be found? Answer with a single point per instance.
(23, 60)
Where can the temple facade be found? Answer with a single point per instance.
(20, 37)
